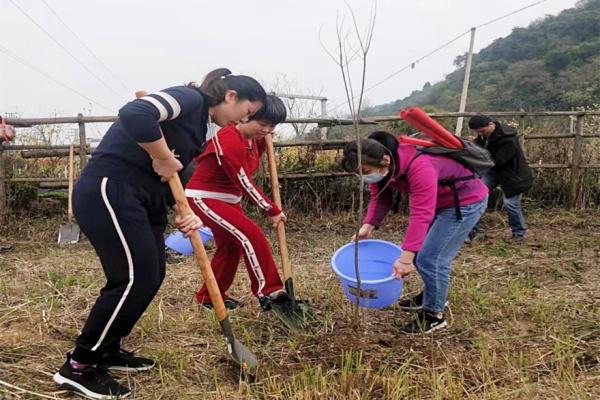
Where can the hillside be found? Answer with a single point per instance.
(553, 64)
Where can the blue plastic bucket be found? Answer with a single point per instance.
(378, 288)
(177, 242)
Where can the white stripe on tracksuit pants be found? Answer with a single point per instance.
(125, 224)
(235, 235)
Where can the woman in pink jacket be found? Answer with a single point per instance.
(440, 217)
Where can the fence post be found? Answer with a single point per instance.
(3, 197)
(576, 162)
(324, 115)
(82, 143)
(522, 134)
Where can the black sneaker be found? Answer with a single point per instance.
(414, 303)
(125, 361)
(518, 238)
(426, 322)
(279, 296)
(230, 304)
(92, 382)
(475, 236)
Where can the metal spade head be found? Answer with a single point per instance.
(242, 356)
(238, 352)
(294, 314)
(68, 234)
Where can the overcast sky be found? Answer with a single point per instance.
(151, 45)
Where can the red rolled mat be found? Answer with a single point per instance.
(418, 119)
(416, 141)
(424, 129)
(415, 123)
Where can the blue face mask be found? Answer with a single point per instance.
(374, 177)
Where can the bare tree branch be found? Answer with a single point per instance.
(347, 51)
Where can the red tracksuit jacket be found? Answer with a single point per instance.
(222, 176)
(231, 171)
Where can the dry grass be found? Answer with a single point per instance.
(524, 322)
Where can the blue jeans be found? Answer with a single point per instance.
(443, 241)
(512, 205)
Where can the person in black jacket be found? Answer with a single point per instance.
(511, 171)
(120, 204)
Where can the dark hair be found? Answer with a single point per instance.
(217, 82)
(272, 111)
(377, 145)
(479, 121)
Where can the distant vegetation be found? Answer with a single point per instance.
(554, 64)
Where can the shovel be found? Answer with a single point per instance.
(69, 233)
(240, 354)
(296, 313)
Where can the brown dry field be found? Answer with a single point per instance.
(525, 321)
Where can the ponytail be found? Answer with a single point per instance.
(217, 82)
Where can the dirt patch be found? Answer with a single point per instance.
(524, 321)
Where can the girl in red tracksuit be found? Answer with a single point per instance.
(223, 175)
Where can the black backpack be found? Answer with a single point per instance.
(473, 157)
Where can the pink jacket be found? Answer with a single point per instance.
(425, 195)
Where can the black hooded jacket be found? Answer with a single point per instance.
(512, 170)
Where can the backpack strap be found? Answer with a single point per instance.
(451, 183)
(397, 199)
(418, 153)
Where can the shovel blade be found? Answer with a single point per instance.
(68, 234)
(243, 356)
(306, 311)
(295, 315)
(288, 317)
(237, 351)
(289, 288)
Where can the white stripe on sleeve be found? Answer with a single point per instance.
(172, 102)
(161, 109)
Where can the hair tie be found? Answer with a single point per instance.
(225, 76)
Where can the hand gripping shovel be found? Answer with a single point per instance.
(69, 233)
(296, 313)
(238, 352)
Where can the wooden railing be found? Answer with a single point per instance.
(83, 149)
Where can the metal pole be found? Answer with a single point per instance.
(465, 88)
(82, 143)
(324, 115)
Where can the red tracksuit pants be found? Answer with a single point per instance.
(235, 235)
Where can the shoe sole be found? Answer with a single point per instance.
(418, 308)
(130, 369)
(409, 308)
(73, 386)
(439, 327)
(211, 308)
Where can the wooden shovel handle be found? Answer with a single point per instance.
(70, 193)
(183, 209)
(283, 249)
